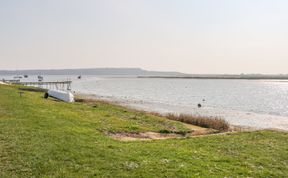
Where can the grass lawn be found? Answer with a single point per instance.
(46, 138)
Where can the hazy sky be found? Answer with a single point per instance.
(194, 36)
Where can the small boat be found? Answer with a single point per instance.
(79, 77)
(66, 96)
(40, 78)
(25, 76)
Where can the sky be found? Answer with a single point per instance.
(192, 36)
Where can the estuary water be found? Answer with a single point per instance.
(252, 103)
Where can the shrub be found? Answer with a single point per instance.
(207, 122)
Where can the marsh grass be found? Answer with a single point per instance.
(202, 121)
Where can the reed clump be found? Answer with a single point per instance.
(207, 122)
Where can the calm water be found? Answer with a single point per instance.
(221, 97)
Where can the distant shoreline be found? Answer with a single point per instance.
(219, 77)
(142, 73)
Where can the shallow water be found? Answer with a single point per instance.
(266, 97)
(257, 103)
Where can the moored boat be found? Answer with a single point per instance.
(40, 78)
(17, 77)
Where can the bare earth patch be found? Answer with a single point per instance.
(195, 131)
(143, 136)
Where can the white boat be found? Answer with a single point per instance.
(61, 95)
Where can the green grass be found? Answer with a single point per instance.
(46, 138)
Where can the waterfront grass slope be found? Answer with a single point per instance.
(48, 138)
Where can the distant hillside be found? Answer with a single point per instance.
(92, 71)
(138, 72)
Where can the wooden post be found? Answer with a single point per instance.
(20, 93)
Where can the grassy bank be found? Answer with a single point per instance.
(47, 138)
